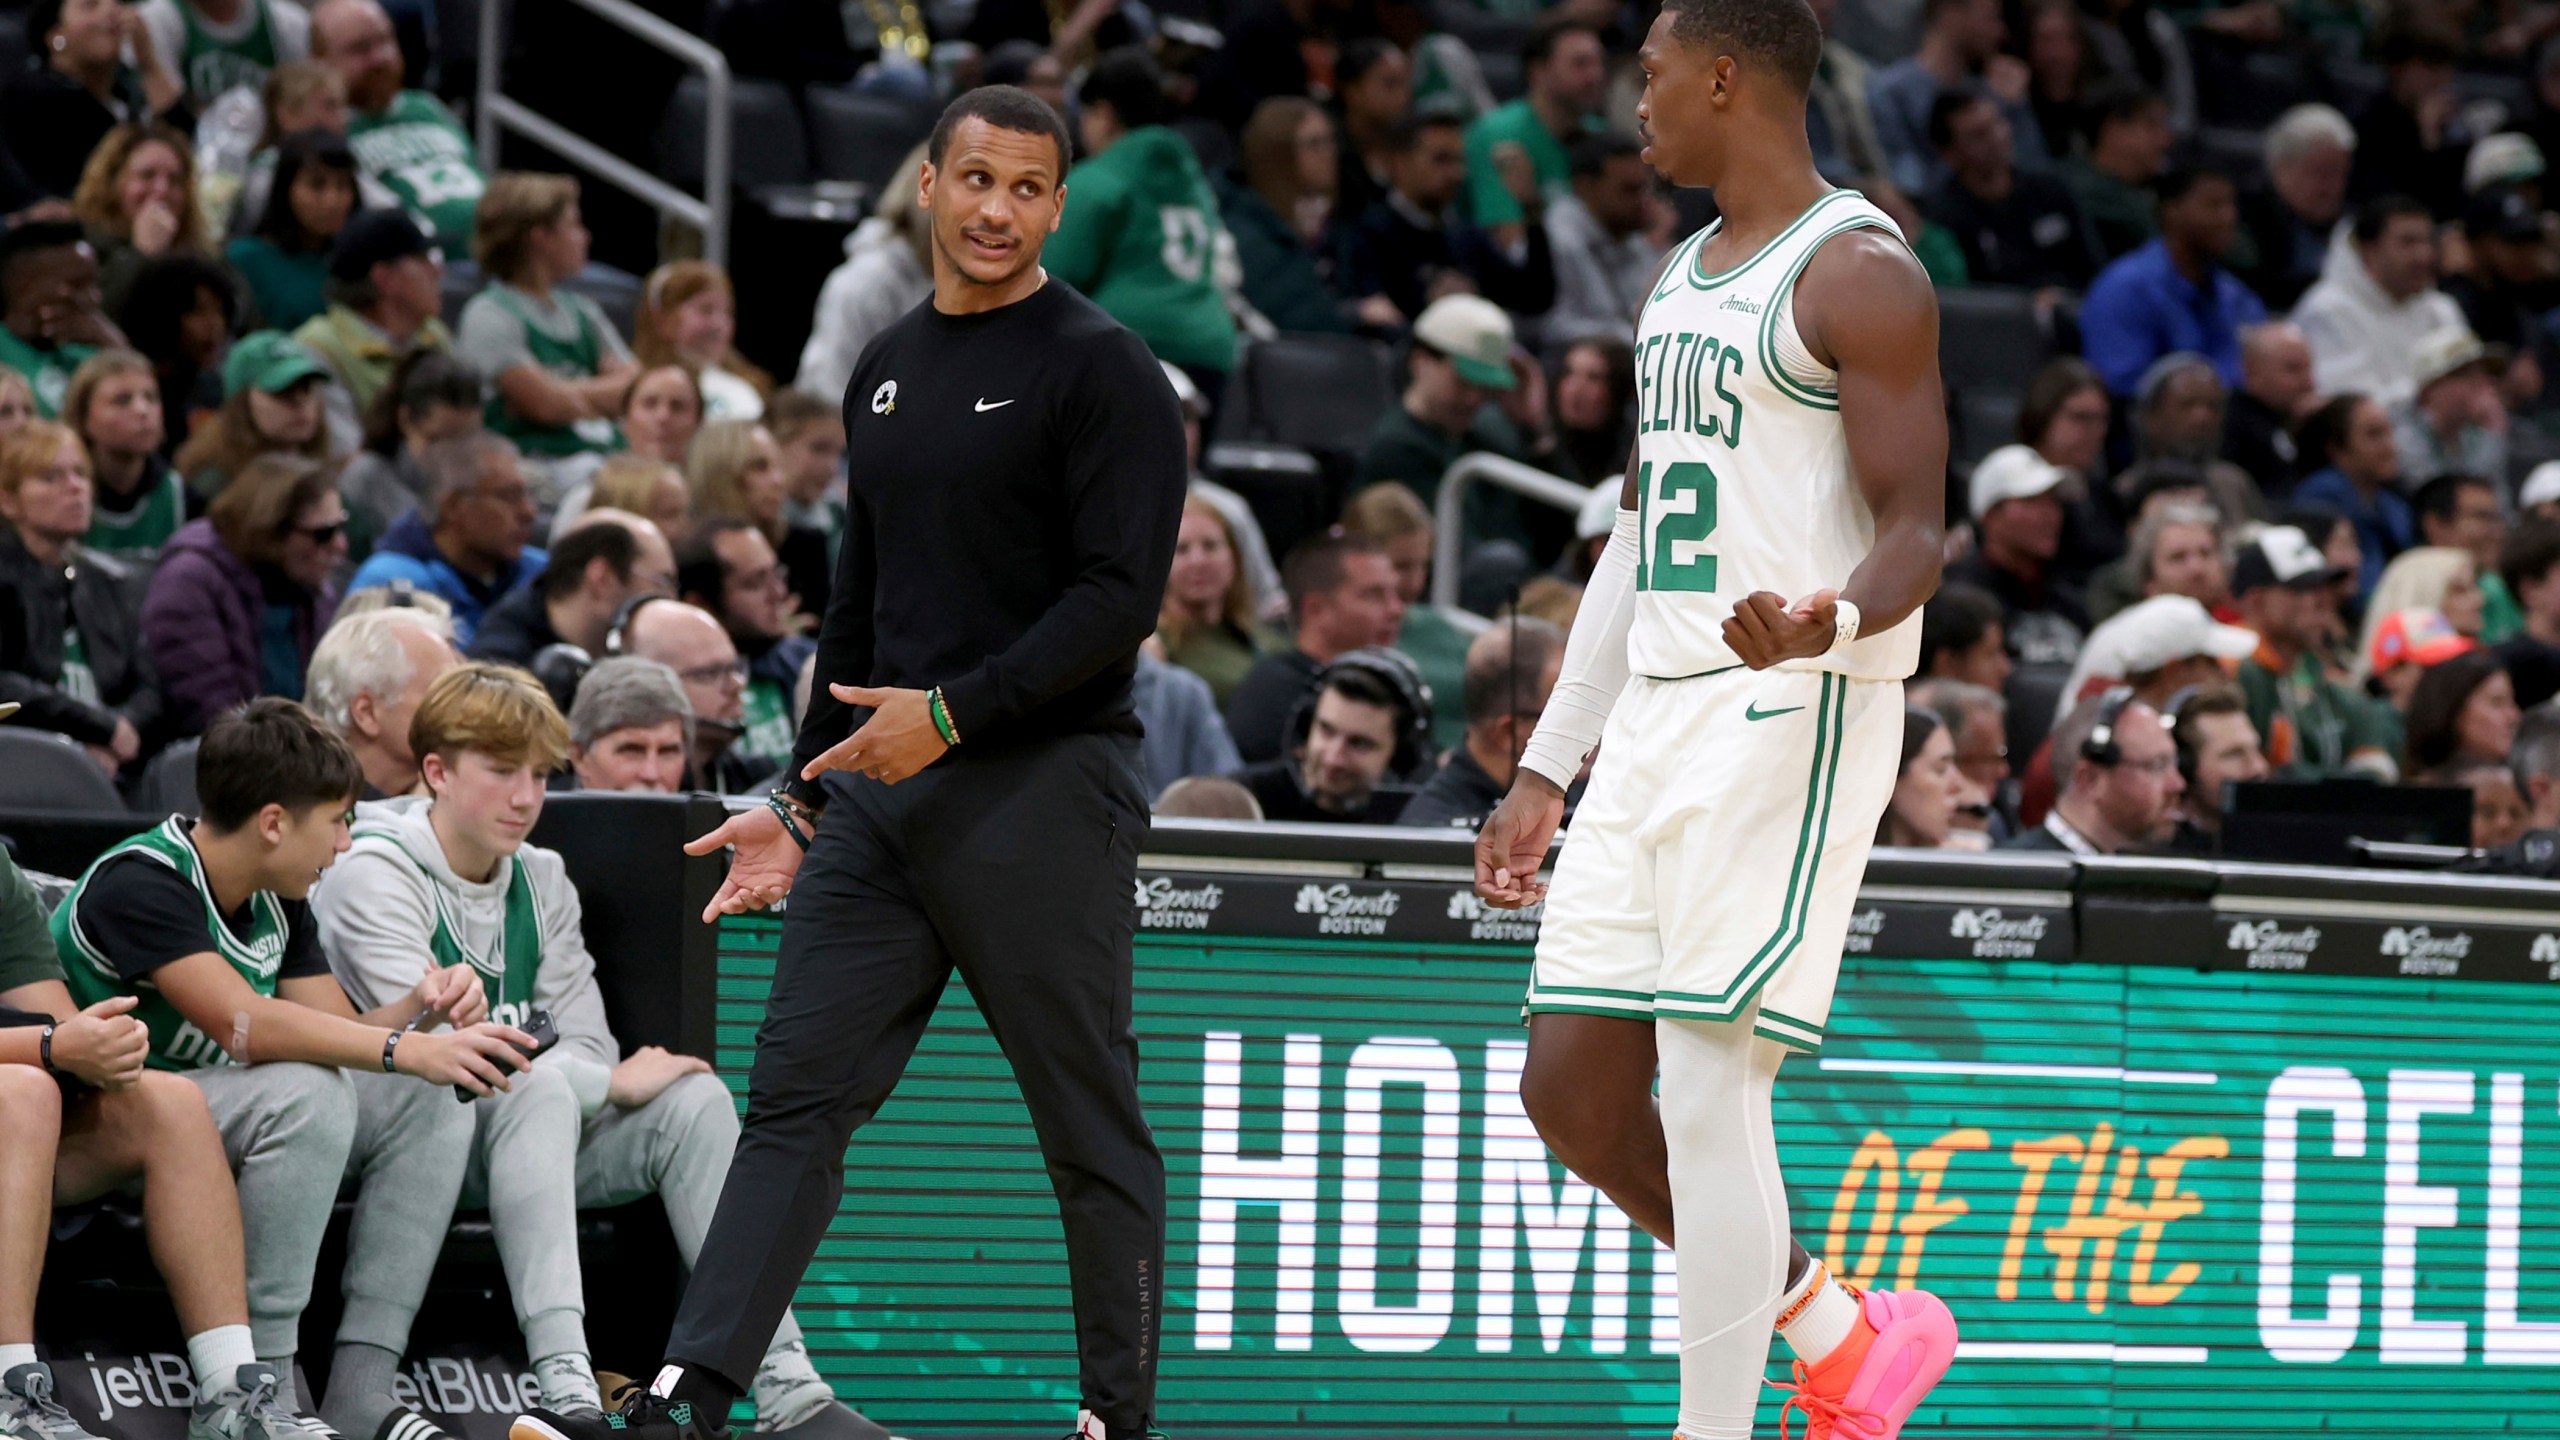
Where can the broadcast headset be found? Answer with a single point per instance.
(1398, 674)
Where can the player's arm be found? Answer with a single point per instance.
(1865, 307)
(1516, 836)
(308, 1019)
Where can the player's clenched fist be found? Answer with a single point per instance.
(1764, 630)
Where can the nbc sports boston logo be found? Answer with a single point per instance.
(1488, 922)
(1995, 935)
(2270, 946)
(1166, 904)
(2422, 951)
(1344, 909)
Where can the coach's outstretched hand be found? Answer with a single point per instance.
(896, 742)
(1514, 841)
(1765, 629)
(762, 871)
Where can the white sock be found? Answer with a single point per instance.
(567, 1382)
(1827, 1319)
(788, 1389)
(13, 1356)
(216, 1356)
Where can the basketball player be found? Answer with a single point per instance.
(966, 790)
(1741, 647)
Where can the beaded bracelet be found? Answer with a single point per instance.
(942, 723)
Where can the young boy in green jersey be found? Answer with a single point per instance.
(204, 926)
(447, 883)
(83, 1116)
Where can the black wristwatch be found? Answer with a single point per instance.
(44, 1049)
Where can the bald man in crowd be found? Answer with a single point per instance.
(689, 641)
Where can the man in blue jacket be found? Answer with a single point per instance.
(467, 542)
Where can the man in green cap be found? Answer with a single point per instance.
(1141, 235)
(284, 381)
(1461, 358)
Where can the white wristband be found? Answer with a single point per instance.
(1844, 629)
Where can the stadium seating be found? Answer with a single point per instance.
(862, 137)
(1989, 336)
(40, 770)
(168, 784)
(1285, 486)
(771, 144)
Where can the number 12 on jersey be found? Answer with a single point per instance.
(1672, 527)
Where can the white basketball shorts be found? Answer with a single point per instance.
(1711, 869)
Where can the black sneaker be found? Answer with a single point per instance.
(643, 1416)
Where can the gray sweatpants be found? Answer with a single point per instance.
(676, 1147)
(296, 1135)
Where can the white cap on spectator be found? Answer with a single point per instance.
(2445, 351)
(2541, 487)
(1476, 336)
(1599, 513)
(2502, 160)
(1185, 394)
(2163, 629)
(2281, 555)
(2012, 472)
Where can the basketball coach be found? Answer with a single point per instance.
(967, 791)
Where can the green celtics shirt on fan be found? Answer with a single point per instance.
(47, 368)
(420, 153)
(1140, 238)
(157, 874)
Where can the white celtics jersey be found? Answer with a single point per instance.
(1742, 478)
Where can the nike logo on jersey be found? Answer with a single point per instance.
(1753, 711)
(985, 405)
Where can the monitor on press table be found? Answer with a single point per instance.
(2310, 822)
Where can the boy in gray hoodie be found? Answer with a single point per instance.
(448, 880)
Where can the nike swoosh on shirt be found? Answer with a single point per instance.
(984, 405)
(1753, 711)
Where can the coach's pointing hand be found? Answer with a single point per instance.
(1764, 629)
(896, 742)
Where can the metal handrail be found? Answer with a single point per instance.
(1449, 545)
(709, 211)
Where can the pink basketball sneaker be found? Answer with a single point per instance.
(1865, 1389)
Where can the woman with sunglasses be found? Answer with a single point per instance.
(242, 595)
(70, 641)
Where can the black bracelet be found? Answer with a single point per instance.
(789, 814)
(390, 1043)
(44, 1049)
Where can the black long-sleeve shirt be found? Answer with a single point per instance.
(1016, 481)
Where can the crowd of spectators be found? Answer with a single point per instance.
(2306, 403)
